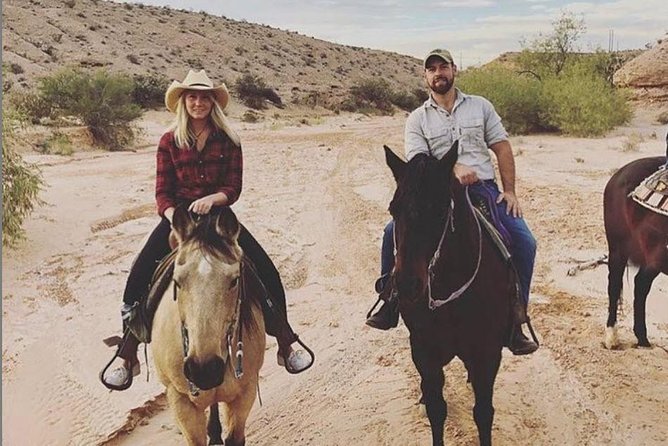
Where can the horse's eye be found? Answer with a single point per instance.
(234, 283)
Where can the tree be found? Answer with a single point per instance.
(21, 182)
(102, 101)
(548, 54)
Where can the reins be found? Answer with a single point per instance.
(449, 223)
(235, 324)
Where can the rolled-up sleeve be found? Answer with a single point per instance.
(165, 178)
(232, 179)
(414, 139)
(494, 129)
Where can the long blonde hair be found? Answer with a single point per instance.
(183, 134)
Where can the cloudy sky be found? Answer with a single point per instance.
(475, 31)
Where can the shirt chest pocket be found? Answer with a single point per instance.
(439, 140)
(473, 134)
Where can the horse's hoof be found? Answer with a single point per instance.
(611, 339)
(644, 343)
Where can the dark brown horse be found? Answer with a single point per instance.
(636, 235)
(473, 326)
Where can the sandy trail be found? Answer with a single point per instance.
(316, 198)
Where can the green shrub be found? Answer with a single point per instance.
(406, 101)
(369, 96)
(102, 101)
(149, 90)
(516, 98)
(21, 183)
(582, 104)
(59, 144)
(253, 92)
(31, 105)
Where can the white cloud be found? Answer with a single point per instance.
(467, 4)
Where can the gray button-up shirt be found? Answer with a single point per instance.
(432, 130)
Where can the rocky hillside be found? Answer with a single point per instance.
(647, 74)
(41, 36)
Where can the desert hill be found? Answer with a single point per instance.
(647, 74)
(41, 36)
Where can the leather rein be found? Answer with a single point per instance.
(449, 224)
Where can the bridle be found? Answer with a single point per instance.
(235, 324)
(436, 302)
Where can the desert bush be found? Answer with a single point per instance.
(407, 101)
(516, 97)
(102, 101)
(369, 96)
(31, 105)
(149, 90)
(583, 104)
(15, 68)
(632, 142)
(253, 92)
(58, 143)
(662, 118)
(21, 182)
(250, 116)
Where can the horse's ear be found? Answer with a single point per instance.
(227, 225)
(397, 165)
(182, 223)
(450, 158)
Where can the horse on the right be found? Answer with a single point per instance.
(636, 233)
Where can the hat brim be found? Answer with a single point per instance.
(175, 90)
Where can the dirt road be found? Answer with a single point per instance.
(316, 198)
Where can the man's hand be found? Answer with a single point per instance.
(512, 204)
(464, 174)
(203, 205)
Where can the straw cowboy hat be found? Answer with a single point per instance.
(195, 80)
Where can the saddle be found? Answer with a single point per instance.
(487, 214)
(652, 192)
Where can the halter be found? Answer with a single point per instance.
(449, 223)
(234, 325)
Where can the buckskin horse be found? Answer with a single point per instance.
(636, 235)
(431, 210)
(208, 331)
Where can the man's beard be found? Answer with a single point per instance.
(443, 87)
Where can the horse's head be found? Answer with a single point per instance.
(420, 206)
(207, 280)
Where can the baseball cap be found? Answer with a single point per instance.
(440, 53)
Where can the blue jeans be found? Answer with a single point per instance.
(523, 242)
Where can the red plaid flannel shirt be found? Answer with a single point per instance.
(185, 175)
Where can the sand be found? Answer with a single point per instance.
(316, 197)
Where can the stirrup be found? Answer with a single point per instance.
(120, 342)
(284, 362)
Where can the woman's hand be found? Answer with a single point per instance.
(203, 205)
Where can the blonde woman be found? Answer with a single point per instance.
(199, 165)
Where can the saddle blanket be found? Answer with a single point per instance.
(652, 192)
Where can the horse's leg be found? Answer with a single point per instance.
(431, 373)
(642, 284)
(235, 415)
(482, 372)
(190, 419)
(213, 428)
(616, 266)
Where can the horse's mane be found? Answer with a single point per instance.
(212, 243)
(207, 238)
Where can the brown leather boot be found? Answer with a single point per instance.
(386, 317)
(519, 344)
